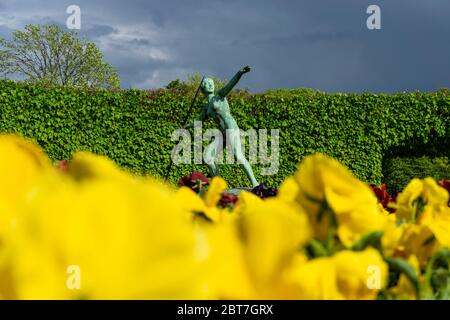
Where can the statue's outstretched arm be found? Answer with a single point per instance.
(230, 85)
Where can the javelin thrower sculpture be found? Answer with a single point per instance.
(218, 109)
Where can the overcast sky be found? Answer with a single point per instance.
(319, 44)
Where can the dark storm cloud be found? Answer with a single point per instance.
(5, 32)
(323, 44)
(96, 31)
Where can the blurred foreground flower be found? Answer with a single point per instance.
(347, 275)
(322, 236)
(119, 230)
(335, 201)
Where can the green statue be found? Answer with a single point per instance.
(218, 109)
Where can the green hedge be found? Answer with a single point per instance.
(133, 127)
(399, 171)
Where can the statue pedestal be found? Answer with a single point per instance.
(237, 191)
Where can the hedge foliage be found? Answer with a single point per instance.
(133, 127)
(399, 171)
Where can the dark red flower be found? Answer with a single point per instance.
(196, 181)
(263, 192)
(228, 200)
(63, 165)
(446, 185)
(382, 195)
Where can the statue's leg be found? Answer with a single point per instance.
(210, 157)
(235, 141)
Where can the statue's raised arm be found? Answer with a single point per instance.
(230, 85)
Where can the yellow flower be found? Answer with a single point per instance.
(406, 199)
(214, 192)
(273, 232)
(128, 238)
(418, 195)
(228, 276)
(193, 203)
(404, 289)
(353, 225)
(391, 235)
(424, 203)
(98, 232)
(313, 280)
(257, 247)
(22, 163)
(288, 190)
(86, 166)
(360, 275)
(417, 240)
(247, 202)
(326, 190)
(347, 275)
(437, 218)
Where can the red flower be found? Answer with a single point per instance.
(63, 165)
(196, 181)
(228, 200)
(445, 184)
(383, 196)
(264, 192)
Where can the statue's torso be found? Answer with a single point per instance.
(219, 110)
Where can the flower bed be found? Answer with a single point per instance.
(90, 230)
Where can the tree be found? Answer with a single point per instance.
(51, 56)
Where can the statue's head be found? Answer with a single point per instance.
(207, 86)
